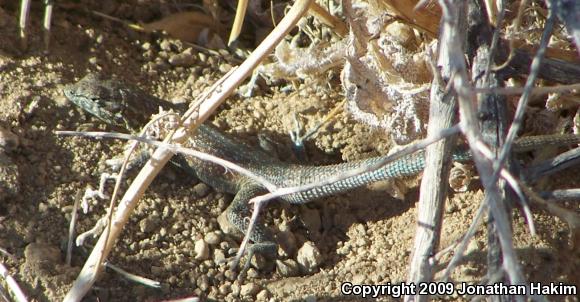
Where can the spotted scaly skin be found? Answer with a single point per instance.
(127, 107)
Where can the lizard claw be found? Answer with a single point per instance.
(298, 139)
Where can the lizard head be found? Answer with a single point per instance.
(109, 100)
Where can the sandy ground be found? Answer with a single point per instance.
(364, 236)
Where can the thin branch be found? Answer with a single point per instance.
(562, 161)
(561, 195)
(523, 102)
(572, 88)
(176, 149)
(470, 128)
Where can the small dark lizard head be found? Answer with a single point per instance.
(112, 101)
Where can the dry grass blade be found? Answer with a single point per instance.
(238, 21)
(72, 226)
(17, 293)
(132, 277)
(24, 10)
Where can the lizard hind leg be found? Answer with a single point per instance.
(238, 214)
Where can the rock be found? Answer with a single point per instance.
(149, 224)
(259, 262)
(201, 190)
(225, 289)
(252, 273)
(473, 247)
(185, 59)
(201, 250)
(42, 256)
(230, 275)
(309, 257)
(203, 283)
(219, 256)
(287, 268)
(235, 289)
(212, 238)
(165, 45)
(263, 295)
(249, 289)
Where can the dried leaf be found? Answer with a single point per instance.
(194, 27)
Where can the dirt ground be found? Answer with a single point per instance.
(363, 236)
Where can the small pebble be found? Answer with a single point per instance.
(201, 190)
(473, 247)
(203, 283)
(235, 289)
(148, 224)
(165, 45)
(358, 279)
(201, 250)
(226, 226)
(249, 289)
(185, 59)
(259, 262)
(219, 256)
(287, 268)
(263, 295)
(212, 238)
(309, 257)
(225, 289)
(230, 275)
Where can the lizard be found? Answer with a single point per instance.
(121, 105)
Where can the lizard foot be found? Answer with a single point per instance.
(267, 249)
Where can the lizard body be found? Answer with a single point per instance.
(118, 104)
